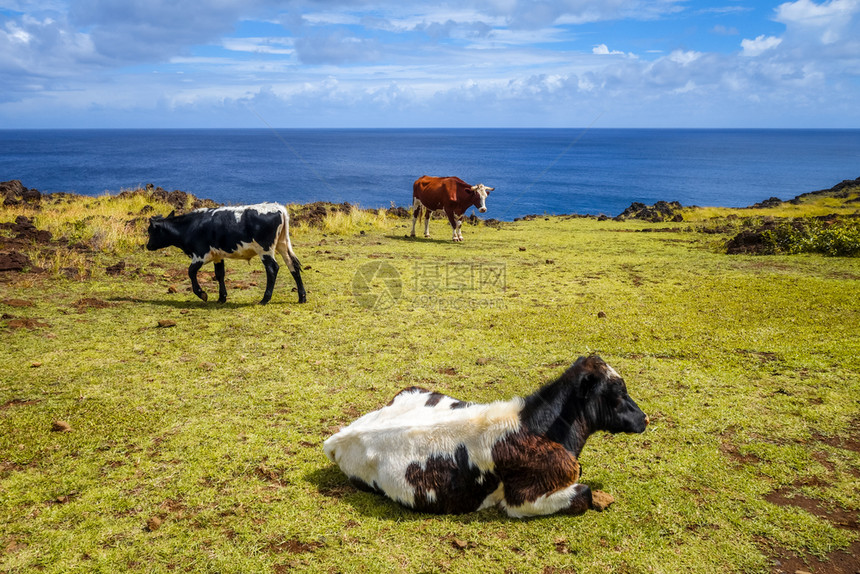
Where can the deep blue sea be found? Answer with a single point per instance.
(550, 171)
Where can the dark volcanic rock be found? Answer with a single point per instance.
(14, 193)
(659, 212)
(14, 261)
(770, 202)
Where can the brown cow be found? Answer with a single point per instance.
(451, 194)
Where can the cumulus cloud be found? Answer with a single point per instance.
(752, 48)
(493, 61)
(603, 50)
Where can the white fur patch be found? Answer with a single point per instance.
(244, 250)
(238, 210)
(546, 504)
(378, 447)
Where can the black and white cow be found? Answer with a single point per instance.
(433, 453)
(241, 232)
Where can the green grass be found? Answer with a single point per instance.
(749, 367)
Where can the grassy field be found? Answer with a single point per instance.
(193, 431)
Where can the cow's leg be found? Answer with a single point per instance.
(219, 275)
(271, 274)
(416, 213)
(452, 219)
(295, 267)
(575, 499)
(195, 286)
(460, 227)
(427, 213)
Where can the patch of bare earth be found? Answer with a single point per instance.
(846, 561)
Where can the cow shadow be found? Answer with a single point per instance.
(330, 482)
(191, 304)
(410, 239)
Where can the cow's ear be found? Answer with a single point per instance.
(471, 190)
(591, 372)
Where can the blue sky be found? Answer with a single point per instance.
(470, 63)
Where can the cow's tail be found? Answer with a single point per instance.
(285, 247)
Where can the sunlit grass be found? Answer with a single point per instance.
(809, 206)
(749, 368)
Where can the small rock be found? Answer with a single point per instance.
(164, 323)
(153, 524)
(61, 426)
(601, 315)
(482, 361)
(550, 261)
(600, 500)
(35, 364)
(459, 544)
(522, 248)
(172, 289)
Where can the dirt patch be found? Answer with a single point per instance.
(292, 546)
(731, 450)
(852, 442)
(115, 269)
(839, 562)
(837, 516)
(17, 303)
(271, 475)
(19, 403)
(23, 322)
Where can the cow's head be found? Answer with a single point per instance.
(159, 235)
(481, 192)
(603, 398)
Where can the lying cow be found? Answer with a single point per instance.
(451, 194)
(433, 453)
(230, 233)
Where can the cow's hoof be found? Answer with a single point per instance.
(203, 295)
(427, 236)
(303, 298)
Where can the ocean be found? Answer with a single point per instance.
(534, 171)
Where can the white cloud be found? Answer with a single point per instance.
(603, 50)
(753, 48)
(272, 45)
(484, 61)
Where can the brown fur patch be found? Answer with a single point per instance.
(531, 466)
(449, 484)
